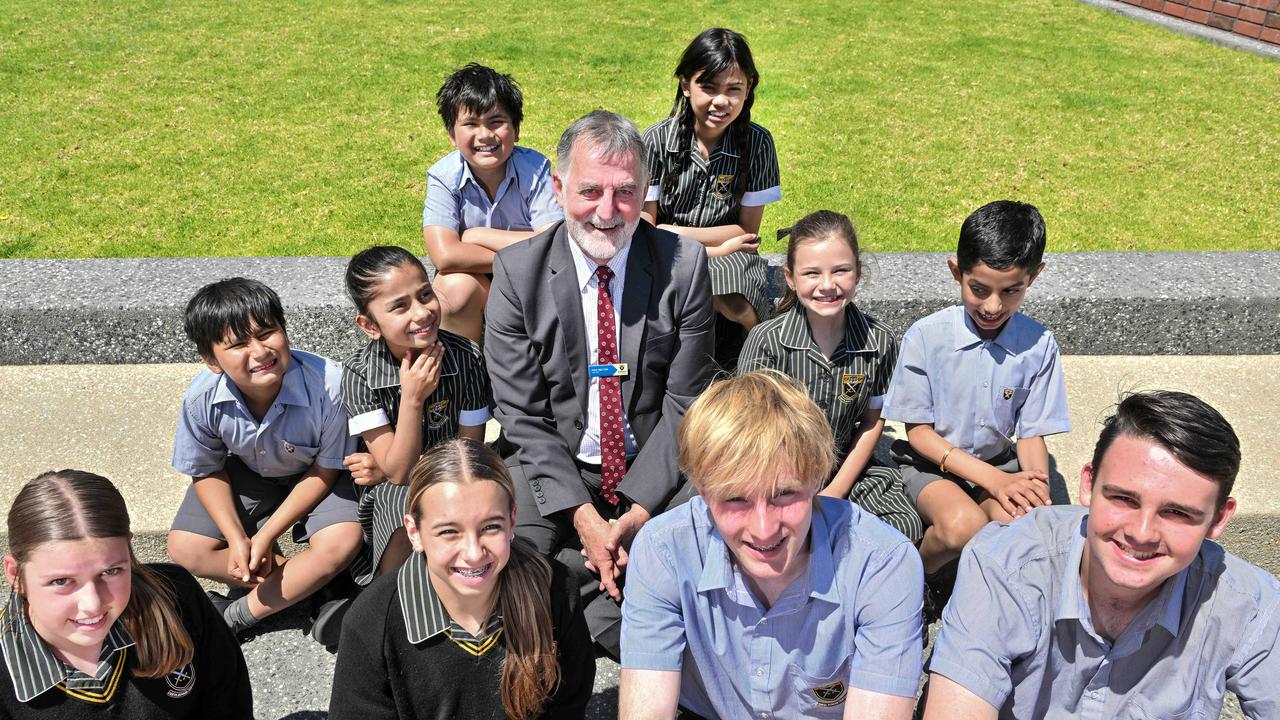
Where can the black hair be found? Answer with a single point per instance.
(366, 268)
(713, 52)
(1001, 235)
(233, 306)
(478, 88)
(818, 226)
(1184, 425)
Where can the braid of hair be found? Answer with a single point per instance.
(681, 110)
(742, 126)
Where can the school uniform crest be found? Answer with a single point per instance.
(724, 187)
(830, 695)
(181, 681)
(850, 384)
(438, 413)
(1008, 393)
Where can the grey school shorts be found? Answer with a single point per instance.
(257, 497)
(918, 472)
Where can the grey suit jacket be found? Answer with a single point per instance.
(536, 351)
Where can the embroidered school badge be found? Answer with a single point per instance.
(724, 186)
(1008, 393)
(850, 383)
(181, 681)
(438, 413)
(830, 695)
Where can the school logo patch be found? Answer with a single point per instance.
(1008, 393)
(724, 186)
(181, 681)
(850, 384)
(438, 413)
(830, 695)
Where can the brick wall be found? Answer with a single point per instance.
(1257, 19)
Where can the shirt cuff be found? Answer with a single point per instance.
(653, 661)
(885, 684)
(762, 197)
(330, 463)
(654, 194)
(967, 678)
(875, 403)
(907, 415)
(471, 418)
(1050, 427)
(367, 421)
(197, 471)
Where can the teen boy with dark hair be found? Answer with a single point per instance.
(1125, 607)
(262, 433)
(483, 196)
(979, 385)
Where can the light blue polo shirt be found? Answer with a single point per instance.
(525, 200)
(851, 620)
(979, 394)
(1018, 631)
(306, 424)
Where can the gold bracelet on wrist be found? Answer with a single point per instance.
(942, 465)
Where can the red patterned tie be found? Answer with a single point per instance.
(613, 450)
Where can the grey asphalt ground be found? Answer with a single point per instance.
(118, 421)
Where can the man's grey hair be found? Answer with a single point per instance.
(608, 135)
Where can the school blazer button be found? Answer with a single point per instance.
(577, 424)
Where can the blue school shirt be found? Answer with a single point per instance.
(979, 393)
(306, 424)
(1018, 631)
(525, 200)
(851, 620)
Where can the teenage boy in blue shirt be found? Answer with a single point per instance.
(1124, 608)
(979, 386)
(262, 433)
(483, 196)
(759, 598)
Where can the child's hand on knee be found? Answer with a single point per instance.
(1022, 491)
(261, 556)
(239, 551)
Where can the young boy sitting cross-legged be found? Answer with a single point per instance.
(262, 433)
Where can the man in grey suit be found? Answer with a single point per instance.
(597, 338)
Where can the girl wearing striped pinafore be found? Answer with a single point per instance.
(411, 387)
(844, 358)
(712, 171)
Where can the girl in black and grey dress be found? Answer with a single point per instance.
(712, 171)
(412, 387)
(844, 358)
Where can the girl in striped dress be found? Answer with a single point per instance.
(712, 170)
(844, 358)
(411, 387)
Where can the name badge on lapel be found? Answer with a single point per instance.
(618, 370)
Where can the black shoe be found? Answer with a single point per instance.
(219, 601)
(937, 590)
(326, 629)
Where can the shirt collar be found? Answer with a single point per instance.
(383, 370)
(717, 572)
(966, 332)
(33, 666)
(425, 616)
(585, 267)
(728, 141)
(1072, 604)
(466, 176)
(795, 333)
(293, 391)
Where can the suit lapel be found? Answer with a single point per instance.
(635, 311)
(568, 298)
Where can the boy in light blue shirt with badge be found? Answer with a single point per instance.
(979, 386)
(483, 196)
(759, 598)
(262, 432)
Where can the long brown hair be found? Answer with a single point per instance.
(530, 672)
(77, 505)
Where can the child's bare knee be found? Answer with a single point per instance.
(185, 548)
(337, 544)
(958, 527)
(735, 307)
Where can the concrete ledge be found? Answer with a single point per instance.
(129, 310)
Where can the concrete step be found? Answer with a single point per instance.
(129, 310)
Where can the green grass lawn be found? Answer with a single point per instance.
(183, 128)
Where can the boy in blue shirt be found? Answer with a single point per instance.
(483, 196)
(979, 385)
(262, 433)
(758, 598)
